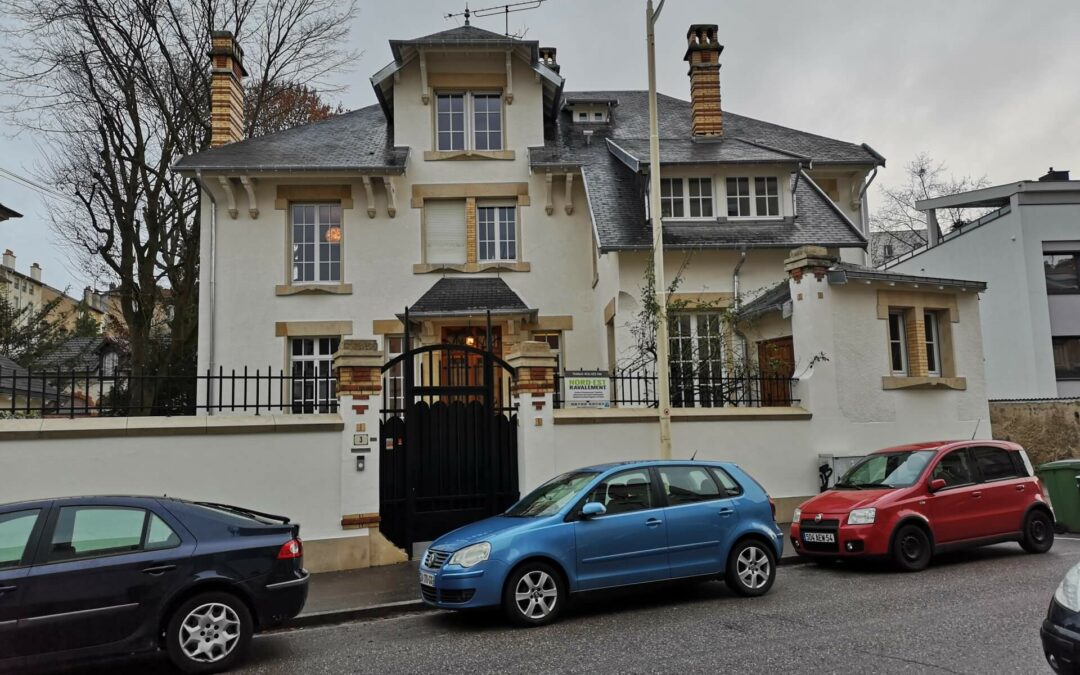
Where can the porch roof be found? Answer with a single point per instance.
(456, 296)
(772, 300)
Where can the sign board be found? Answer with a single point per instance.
(587, 389)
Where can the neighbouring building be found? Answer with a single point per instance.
(375, 247)
(888, 245)
(1028, 251)
(7, 214)
(28, 290)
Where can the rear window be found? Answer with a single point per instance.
(995, 463)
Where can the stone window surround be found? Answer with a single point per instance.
(913, 305)
(469, 83)
(470, 193)
(286, 196)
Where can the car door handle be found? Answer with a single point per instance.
(1020, 488)
(158, 570)
(976, 495)
(653, 522)
(726, 512)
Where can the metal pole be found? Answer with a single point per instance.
(660, 282)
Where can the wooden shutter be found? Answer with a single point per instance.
(445, 231)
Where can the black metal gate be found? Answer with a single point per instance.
(448, 441)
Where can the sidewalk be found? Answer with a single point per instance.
(374, 592)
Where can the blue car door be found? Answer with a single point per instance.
(628, 544)
(19, 529)
(699, 517)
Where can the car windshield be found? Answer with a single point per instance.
(886, 470)
(549, 498)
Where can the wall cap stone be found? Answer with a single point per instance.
(107, 427)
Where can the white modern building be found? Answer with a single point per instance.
(1028, 252)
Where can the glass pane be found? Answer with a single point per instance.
(160, 535)
(15, 529)
(994, 463)
(688, 484)
(96, 530)
(624, 492)
(1067, 358)
(1062, 273)
(953, 469)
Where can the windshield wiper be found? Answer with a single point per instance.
(857, 486)
(874, 485)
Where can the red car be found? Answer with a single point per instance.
(912, 501)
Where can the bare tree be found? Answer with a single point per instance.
(120, 89)
(924, 178)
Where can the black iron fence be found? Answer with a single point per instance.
(57, 393)
(692, 388)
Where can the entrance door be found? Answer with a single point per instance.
(776, 361)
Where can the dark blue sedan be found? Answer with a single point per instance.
(84, 577)
(606, 526)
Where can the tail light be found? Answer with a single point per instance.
(772, 505)
(292, 549)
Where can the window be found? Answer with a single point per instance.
(700, 190)
(731, 487)
(453, 109)
(696, 359)
(953, 469)
(450, 121)
(994, 463)
(933, 344)
(887, 469)
(159, 536)
(395, 377)
(496, 233)
(671, 198)
(688, 485)
(444, 231)
(897, 344)
(1067, 358)
(316, 243)
(624, 492)
(598, 116)
(15, 530)
(887, 251)
(758, 198)
(87, 531)
(583, 116)
(553, 340)
(313, 388)
(549, 498)
(1062, 272)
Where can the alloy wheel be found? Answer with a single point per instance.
(753, 567)
(209, 632)
(536, 594)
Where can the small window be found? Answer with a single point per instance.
(1066, 358)
(395, 376)
(314, 389)
(933, 344)
(450, 121)
(583, 116)
(89, 531)
(887, 251)
(897, 344)
(553, 340)
(624, 492)
(767, 195)
(159, 536)
(1062, 272)
(688, 485)
(994, 463)
(730, 485)
(671, 198)
(701, 201)
(15, 531)
(316, 243)
(738, 198)
(496, 233)
(598, 116)
(953, 469)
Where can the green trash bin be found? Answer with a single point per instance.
(1062, 481)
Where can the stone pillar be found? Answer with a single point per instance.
(358, 369)
(533, 391)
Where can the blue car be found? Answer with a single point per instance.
(607, 526)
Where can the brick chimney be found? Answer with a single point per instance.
(9, 258)
(703, 55)
(35, 272)
(226, 89)
(547, 57)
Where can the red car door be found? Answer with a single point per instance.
(1004, 491)
(955, 510)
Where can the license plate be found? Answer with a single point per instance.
(427, 578)
(819, 537)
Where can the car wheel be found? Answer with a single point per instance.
(1038, 532)
(535, 594)
(911, 548)
(751, 568)
(209, 633)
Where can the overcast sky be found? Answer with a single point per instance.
(988, 86)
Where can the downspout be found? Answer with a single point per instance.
(864, 217)
(736, 302)
(212, 281)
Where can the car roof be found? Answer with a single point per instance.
(947, 445)
(600, 468)
(91, 499)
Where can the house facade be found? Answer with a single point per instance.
(483, 204)
(27, 289)
(1028, 251)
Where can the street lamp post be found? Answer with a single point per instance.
(663, 383)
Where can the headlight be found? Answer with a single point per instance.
(862, 517)
(471, 555)
(796, 515)
(1068, 591)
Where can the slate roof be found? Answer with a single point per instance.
(841, 272)
(6, 213)
(462, 36)
(771, 300)
(456, 296)
(675, 151)
(14, 378)
(353, 141)
(81, 354)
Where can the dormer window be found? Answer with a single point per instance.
(753, 198)
(468, 115)
(686, 197)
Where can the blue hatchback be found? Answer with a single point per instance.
(606, 526)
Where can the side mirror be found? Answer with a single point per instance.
(593, 509)
(937, 484)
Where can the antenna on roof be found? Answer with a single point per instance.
(506, 10)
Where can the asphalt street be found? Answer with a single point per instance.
(971, 612)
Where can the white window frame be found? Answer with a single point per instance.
(468, 107)
(394, 345)
(901, 340)
(322, 249)
(752, 195)
(683, 201)
(502, 237)
(714, 363)
(318, 394)
(672, 200)
(932, 337)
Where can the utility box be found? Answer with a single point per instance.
(1062, 481)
